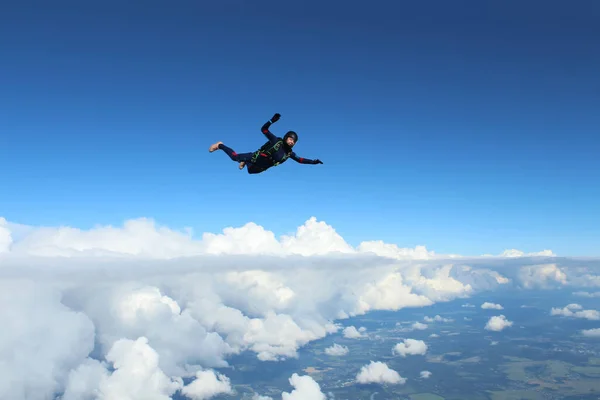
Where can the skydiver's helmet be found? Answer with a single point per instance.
(290, 134)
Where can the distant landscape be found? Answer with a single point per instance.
(540, 356)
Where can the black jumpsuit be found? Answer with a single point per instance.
(271, 154)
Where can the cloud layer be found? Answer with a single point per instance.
(143, 308)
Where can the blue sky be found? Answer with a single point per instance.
(462, 126)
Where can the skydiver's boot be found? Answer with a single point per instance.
(242, 164)
(214, 147)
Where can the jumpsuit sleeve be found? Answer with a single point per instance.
(302, 160)
(265, 130)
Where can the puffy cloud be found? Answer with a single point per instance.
(437, 318)
(519, 253)
(351, 332)
(542, 276)
(437, 284)
(136, 374)
(491, 306)
(393, 251)
(259, 397)
(410, 347)
(133, 310)
(571, 310)
(425, 374)
(278, 336)
(305, 388)
(336, 350)
(415, 326)
(174, 305)
(206, 385)
(139, 237)
(481, 278)
(419, 326)
(389, 293)
(379, 372)
(41, 340)
(498, 323)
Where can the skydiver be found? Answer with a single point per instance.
(274, 152)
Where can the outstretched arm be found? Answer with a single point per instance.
(303, 160)
(265, 128)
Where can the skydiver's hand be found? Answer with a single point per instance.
(317, 161)
(276, 117)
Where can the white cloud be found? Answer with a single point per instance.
(414, 326)
(259, 397)
(491, 306)
(425, 374)
(519, 253)
(587, 294)
(379, 372)
(419, 326)
(571, 311)
(389, 293)
(434, 335)
(336, 350)
(5, 236)
(468, 305)
(393, 251)
(437, 284)
(41, 340)
(136, 374)
(207, 385)
(498, 323)
(305, 388)
(351, 332)
(595, 333)
(542, 276)
(175, 305)
(410, 347)
(437, 318)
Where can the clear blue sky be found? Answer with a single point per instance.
(463, 126)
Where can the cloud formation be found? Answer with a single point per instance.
(379, 372)
(437, 318)
(498, 323)
(410, 347)
(576, 311)
(419, 326)
(305, 388)
(491, 306)
(351, 332)
(336, 350)
(140, 307)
